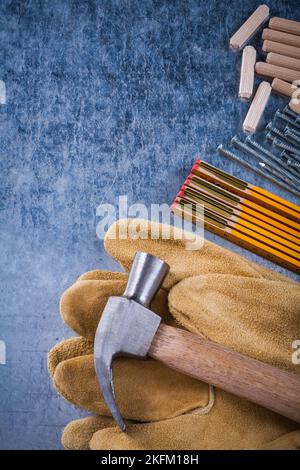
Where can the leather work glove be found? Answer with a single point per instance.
(212, 292)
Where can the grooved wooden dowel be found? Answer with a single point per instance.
(279, 36)
(273, 71)
(288, 26)
(283, 61)
(257, 107)
(294, 104)
(282, 87)
(246, 31)
(247, 73)
(240, 375)
(283, 49)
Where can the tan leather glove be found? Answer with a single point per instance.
(211, 292)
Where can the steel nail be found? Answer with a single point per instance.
(273, 168)
(295, 138)
(274, 158)
(289, 120)
(285, 146)
(235, 158)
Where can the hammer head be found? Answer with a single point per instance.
(127, 326)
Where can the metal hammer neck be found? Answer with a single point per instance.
(145, 278)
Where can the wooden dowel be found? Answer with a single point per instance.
(257, 107)
(294, 104)
(246, 31)
(283, 61)
(273, 71)
(283, 49)
(282, 87)
(279, 36)
(247, 73)
(288, 26)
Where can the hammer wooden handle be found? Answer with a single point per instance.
(240, 375)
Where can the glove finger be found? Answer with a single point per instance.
(163, 435)
(145, 390)
(100, 275)
(209, 258)
(256, 317)
(77, 434)
(222, 429)
(72, 347)
(82, 304)
(290, 441)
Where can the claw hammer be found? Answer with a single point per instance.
(129, 328)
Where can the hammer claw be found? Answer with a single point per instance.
(104, 370)
(127, 326)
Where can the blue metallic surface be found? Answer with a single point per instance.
(104, 98)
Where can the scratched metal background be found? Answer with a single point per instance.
(104, 98)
